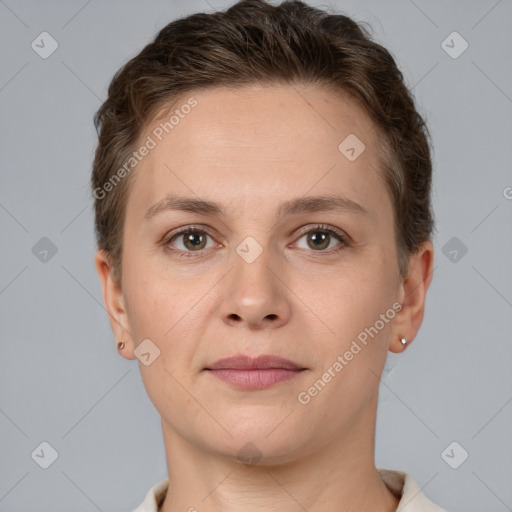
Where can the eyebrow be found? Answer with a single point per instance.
(295, 206)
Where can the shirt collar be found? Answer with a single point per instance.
(401, 484)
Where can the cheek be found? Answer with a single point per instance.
(352, 358)
(358, 308)
(151, 300)
(168, 311)
(145, 306)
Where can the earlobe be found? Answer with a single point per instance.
(413, 293)
(114, 304)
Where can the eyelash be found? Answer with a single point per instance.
(324, 228)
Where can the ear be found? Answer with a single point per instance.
(412, 295)
(114, 303)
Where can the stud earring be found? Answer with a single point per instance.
(403, 341)
(120, 345)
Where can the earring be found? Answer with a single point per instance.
(120, 345)
(404, 341)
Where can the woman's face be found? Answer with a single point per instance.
(264, 275)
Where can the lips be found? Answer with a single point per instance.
(263, 362)
(254, 373)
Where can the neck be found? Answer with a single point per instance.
(338, 476)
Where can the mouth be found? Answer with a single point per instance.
(263, 362)
(255, 373)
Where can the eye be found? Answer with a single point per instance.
(320, 237)
(190, 239)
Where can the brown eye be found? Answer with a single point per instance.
(320, 239)
(189, 240)
(194, 240)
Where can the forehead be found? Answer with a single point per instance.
(261, 142)
(269, 113)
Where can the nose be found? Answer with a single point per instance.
(255, 295)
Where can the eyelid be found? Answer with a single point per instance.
(185, 229)
(324, 227)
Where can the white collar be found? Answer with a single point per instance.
(401, 484)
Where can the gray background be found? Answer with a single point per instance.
(61, 379)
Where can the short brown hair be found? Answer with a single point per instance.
(256, 42)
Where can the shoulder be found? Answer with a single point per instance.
(405, 487)
(154, 497)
